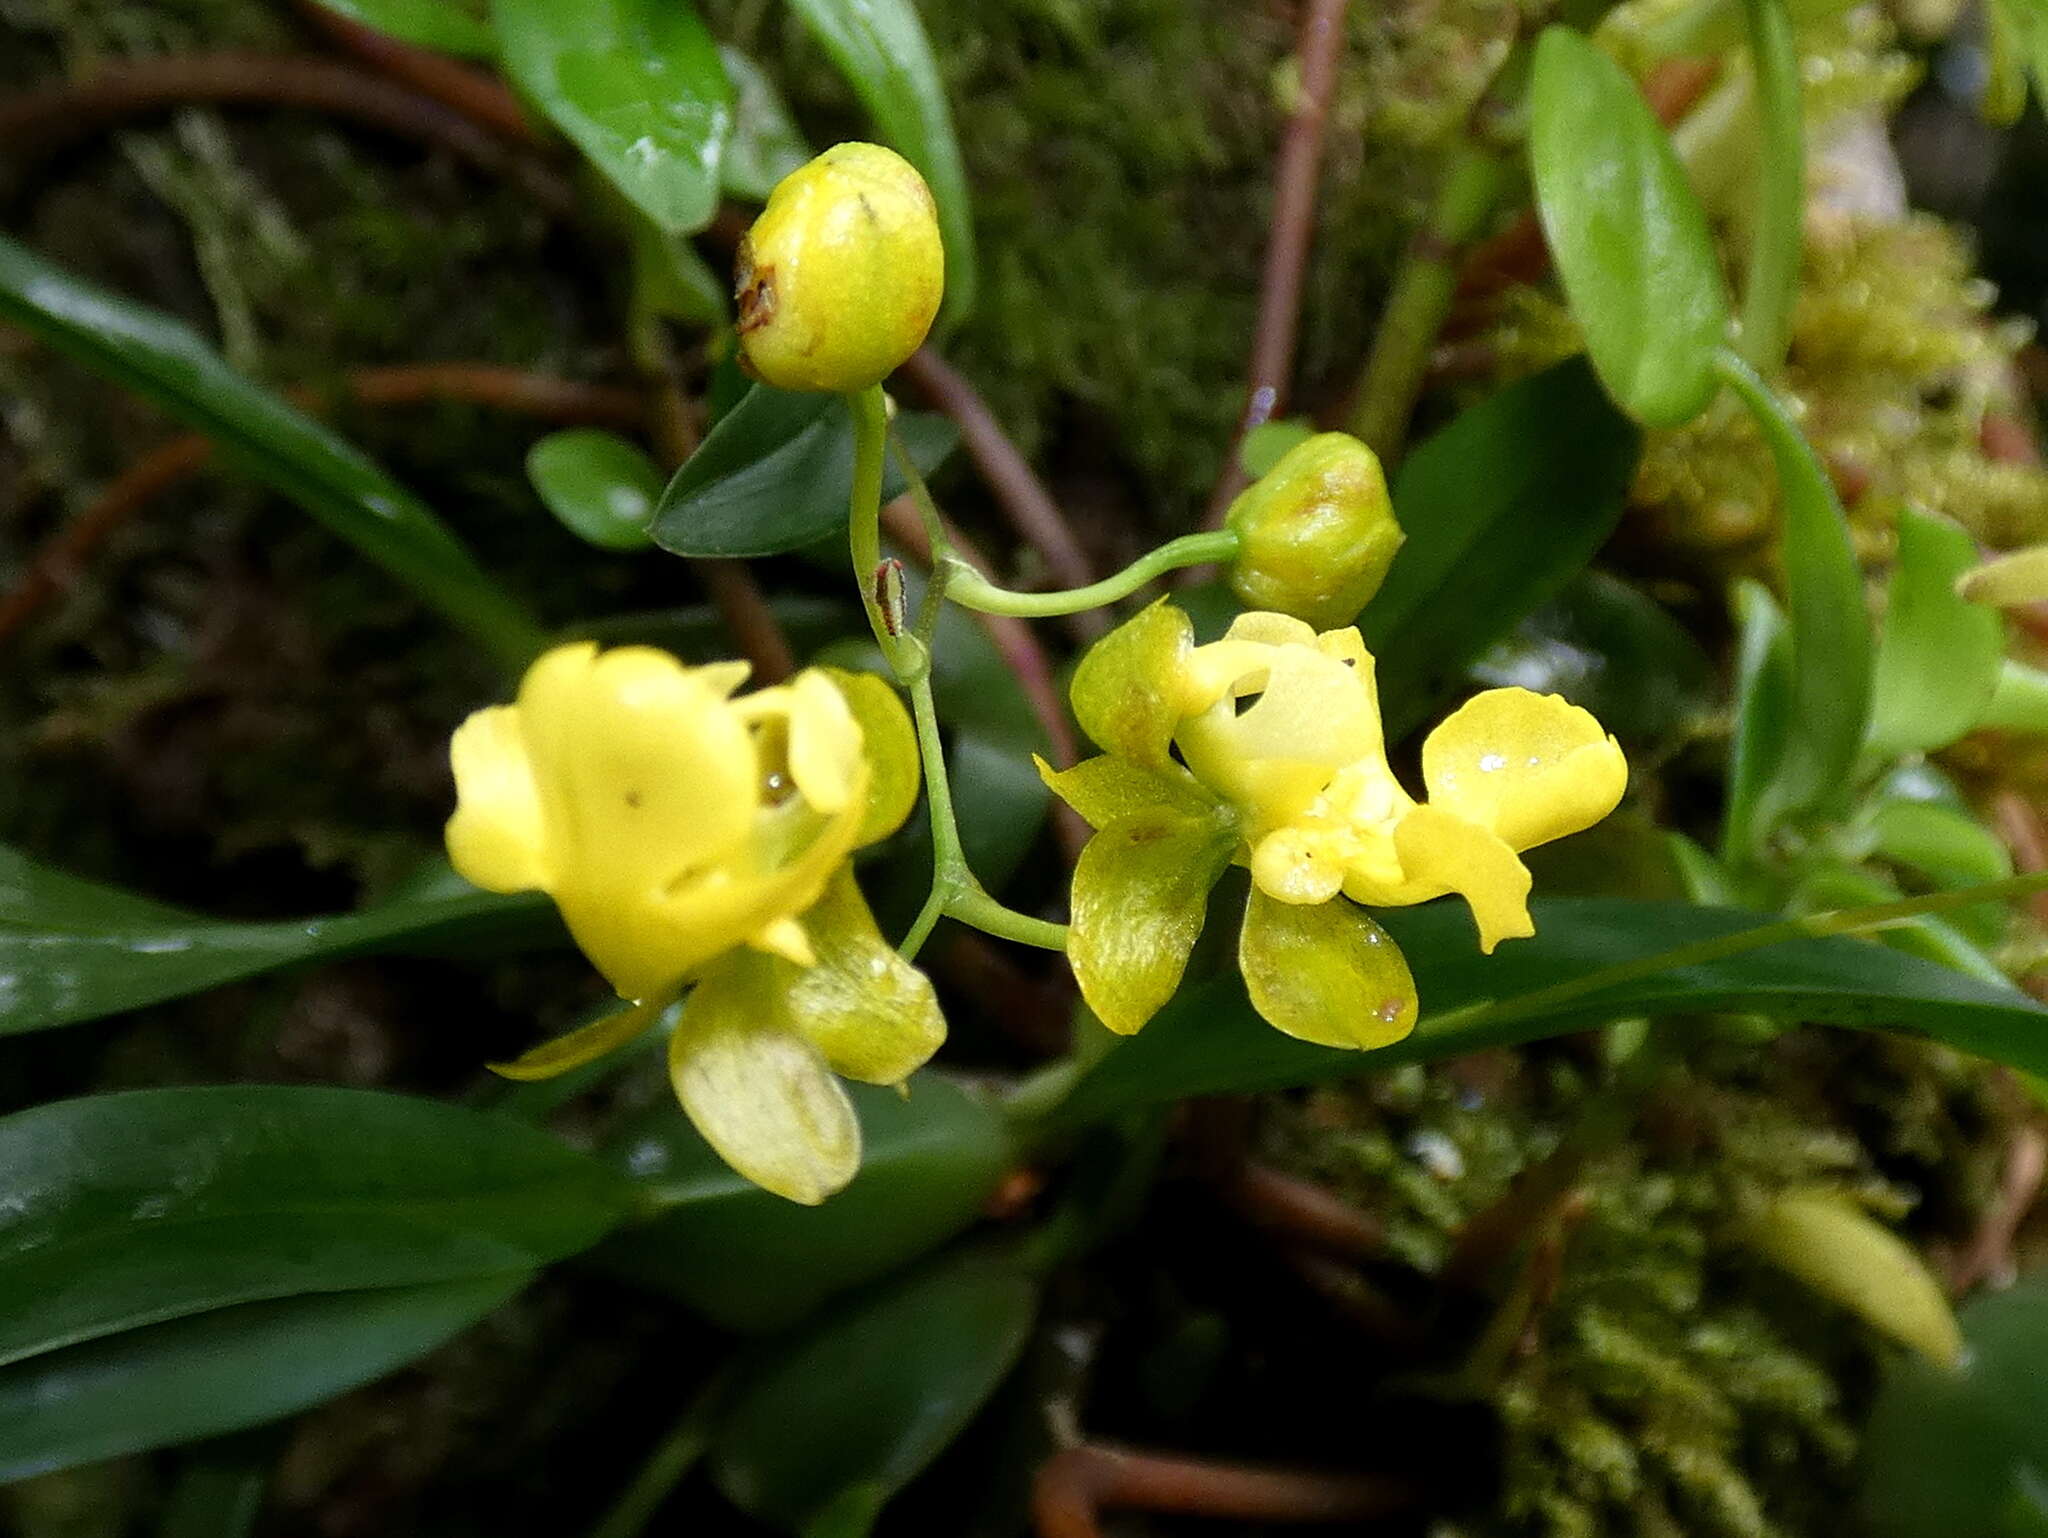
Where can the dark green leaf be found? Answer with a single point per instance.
(637, 85)
(1953, 1452)
(854, 1409)
(129, 1209)
(1501, 508)
(880, 46)
(1937, 654)
(166, 361)
(766, 144)
(601, 488)
(97, 952)
(439, 24)
(775, 474)
(219, 1493)
(1209, 1042)
(218, 1372)
(1629, 237)
(1828, 625)
(750, 1261)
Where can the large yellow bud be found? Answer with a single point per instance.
(841, 275)
(1317, 532)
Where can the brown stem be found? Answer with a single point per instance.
(1017, 488)
(1296, 175)
(2019, 824)
(1304, 1212)
(57, 565)
(1075, 1486)
(40, 123)
(1989, 1254)
(470, 92)
(1017, 645)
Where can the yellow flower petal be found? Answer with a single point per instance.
(871, 1013)
(890, 743)
(1443, 853)
(1529, 767)
(1127, 690)
(1325, 973)
(585, 1044)
(496, 839)
(1140, 890)
(786, 938)
(759, 1093)
(825, 760)
(1303, 862)
(1105, 788)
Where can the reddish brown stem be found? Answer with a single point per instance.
(1304, 1212)
(57, 565)
(1077, 1485)
(1017, 488)
(1296, 175)
(470, 92)
(43, 122)
(2019, 823)
(1989, 1255)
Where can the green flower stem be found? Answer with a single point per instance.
(955, 891)
(970, 589)
(1781, 197)
(667, 1466)
(1421, 296)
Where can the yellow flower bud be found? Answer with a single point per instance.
(841, 275)
(1317, 532)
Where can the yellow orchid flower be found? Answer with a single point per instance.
(697, 838)
(1265, 749)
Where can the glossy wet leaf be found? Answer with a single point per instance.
(77, 951)
(165, 361)
(637, 86)
(1627, 233)
(1502, 508)
(766, 145)
(881, 48)
(445, 25)
(1955, 1451)
(1937, 654)
(855, 1408)
(749, 1261)
(128, 1209)
(1827, 622)
(600, 487)
(1209, 1041)
(775, 474)
(222, 1371)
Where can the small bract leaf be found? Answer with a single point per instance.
(1325, 973)
(1140, 888)
(601, 488)
(1937, 655)
(1629, 237)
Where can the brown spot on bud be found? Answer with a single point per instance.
(756, 290)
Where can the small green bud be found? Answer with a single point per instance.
(841, 275)
(1317, 532)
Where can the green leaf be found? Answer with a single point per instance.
(1949, 847)
(752, 1262)
(98, 952)
(766, 145)
(601, 488)
(1502, 508)
(1629, 237)
(166, 362)
(1947, 1452)
(1938, 655)
(219, 1493)
(880, 46)
(218, 1372)
(854, 1409)
(438, 24)
(637, 85)
(2019, 703)
(1828, 622)
(775, 474)
(131, 1209)
(1763, 718)
(1208, 1041)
